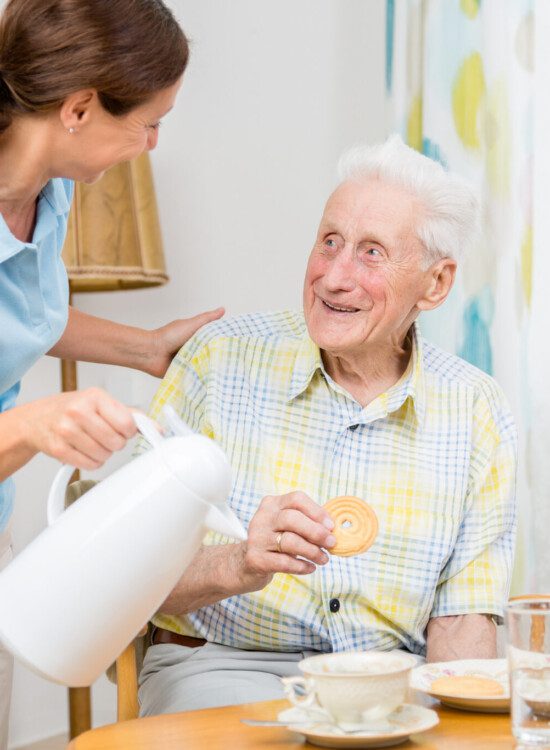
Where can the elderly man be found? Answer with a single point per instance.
(346, 399)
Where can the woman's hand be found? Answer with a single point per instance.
(80, 428)
(302, 529)
(168, 340)
(90, 339)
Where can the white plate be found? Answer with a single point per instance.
(404, 721)
(495, 669)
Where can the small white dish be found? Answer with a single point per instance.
(396, 728)
(423, 677)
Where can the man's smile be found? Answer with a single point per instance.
(339, 308)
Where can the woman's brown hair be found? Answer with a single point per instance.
(125, 49)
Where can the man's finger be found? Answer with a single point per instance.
(296, 521)
(281, 563)
(300, 501)
(294, 545)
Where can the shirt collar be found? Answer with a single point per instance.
(411, 384)
(308, 361)
(9, 245)
(54, 193)
(52, 198)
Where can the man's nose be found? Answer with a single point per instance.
(340, 275)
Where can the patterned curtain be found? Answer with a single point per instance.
(459, 77)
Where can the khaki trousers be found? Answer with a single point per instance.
(177, 678)
(6, 659)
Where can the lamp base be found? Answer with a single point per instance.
(80, 700)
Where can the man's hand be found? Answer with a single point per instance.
(303, 529)
(461, 637)
(223, 570)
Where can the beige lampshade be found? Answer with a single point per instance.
(113, 239)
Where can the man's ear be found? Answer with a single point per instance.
(77, 109)
(441, 276)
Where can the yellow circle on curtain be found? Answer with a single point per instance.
(414, 123)
(497, 132)
(467, 95)
(470, 8)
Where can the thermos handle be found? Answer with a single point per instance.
(148, 428)
(56, 498)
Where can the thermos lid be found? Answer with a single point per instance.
(200, 465)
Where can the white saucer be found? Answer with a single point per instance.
(396, 728)
(495, 669)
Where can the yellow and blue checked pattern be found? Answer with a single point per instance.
(435, 457)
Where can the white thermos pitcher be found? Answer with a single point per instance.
(80, 592)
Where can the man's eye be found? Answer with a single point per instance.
(156, 126)
(373, 252)
(332, 243)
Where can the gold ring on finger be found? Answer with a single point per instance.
(278, 541)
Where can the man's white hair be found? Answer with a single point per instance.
(450, 224)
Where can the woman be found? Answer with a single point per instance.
(83, 86)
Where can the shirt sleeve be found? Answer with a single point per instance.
(476, 577)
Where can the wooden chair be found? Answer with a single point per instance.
(127, 683)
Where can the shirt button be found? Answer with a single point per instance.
(353, 427)
(334, 605)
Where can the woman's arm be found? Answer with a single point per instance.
(81, 428)
(90, 339)
(15, 448)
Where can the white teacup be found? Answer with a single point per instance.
(357, 687)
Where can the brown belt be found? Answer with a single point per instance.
(160, 635)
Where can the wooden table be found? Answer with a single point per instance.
(221, 729)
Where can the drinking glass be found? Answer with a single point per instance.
(528, 635)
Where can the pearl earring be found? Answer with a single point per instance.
(71, 131)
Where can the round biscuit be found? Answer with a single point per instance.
(467, 686)
(355, 525)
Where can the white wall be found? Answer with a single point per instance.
(275, 90)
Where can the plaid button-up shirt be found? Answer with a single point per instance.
(434, 455)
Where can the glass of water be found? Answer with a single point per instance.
(528, 635)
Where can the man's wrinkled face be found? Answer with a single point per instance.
(364, 275)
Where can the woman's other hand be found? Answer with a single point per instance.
(168, 340)
(90, 339)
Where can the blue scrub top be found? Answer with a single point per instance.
(34, 299)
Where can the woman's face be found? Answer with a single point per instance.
(104, 140)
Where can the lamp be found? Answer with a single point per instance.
(113, 239)
(113, 242)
